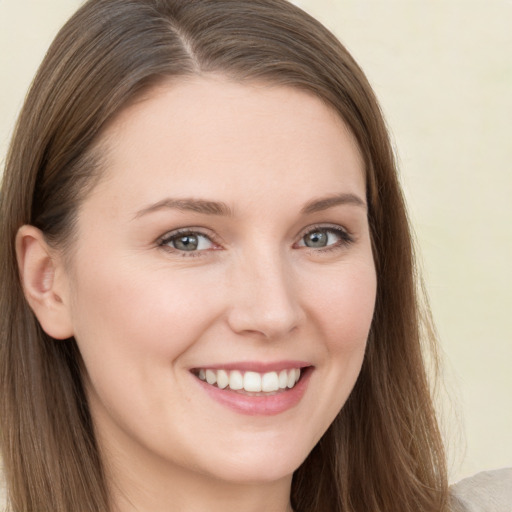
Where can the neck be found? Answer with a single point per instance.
(150, 488)
(200, 494)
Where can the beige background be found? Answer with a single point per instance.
(443, 72)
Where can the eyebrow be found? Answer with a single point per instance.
(219, 208)
(318, 205)
(188, 204)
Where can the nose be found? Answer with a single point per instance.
(264, 299)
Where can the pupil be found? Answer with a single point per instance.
(187, 243)
(316, 239)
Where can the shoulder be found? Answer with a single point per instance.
(489, 491)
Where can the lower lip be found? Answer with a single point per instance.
(259, 405)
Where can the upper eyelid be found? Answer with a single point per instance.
(333, 227)
(188, 230)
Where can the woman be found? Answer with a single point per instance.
(209, 288)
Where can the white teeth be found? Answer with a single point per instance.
(211, 376)
(236, 380)
(270, 382)
(222, 379)
(283, 379)
(253, 382)
(291, 378)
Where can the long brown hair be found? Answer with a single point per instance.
(383, 452)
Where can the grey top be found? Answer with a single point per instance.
(489, 491)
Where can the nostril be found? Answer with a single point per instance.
(268, 319)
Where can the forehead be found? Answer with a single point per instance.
(209, 132)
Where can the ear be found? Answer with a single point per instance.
(44, 281)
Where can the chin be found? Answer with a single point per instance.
(260, 465)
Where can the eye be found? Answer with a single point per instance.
(325, 237)
(187, 241)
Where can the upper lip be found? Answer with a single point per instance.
(256, 366)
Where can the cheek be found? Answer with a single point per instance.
(341, 307)
(344, 307)
(128, 311)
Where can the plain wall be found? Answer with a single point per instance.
(443, 73)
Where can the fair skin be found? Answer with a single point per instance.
(271, 272)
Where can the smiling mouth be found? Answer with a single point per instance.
(249, 382)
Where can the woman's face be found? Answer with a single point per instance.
(228, 240)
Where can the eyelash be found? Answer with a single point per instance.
(345, 239)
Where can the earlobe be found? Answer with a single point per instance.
(47, 296)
